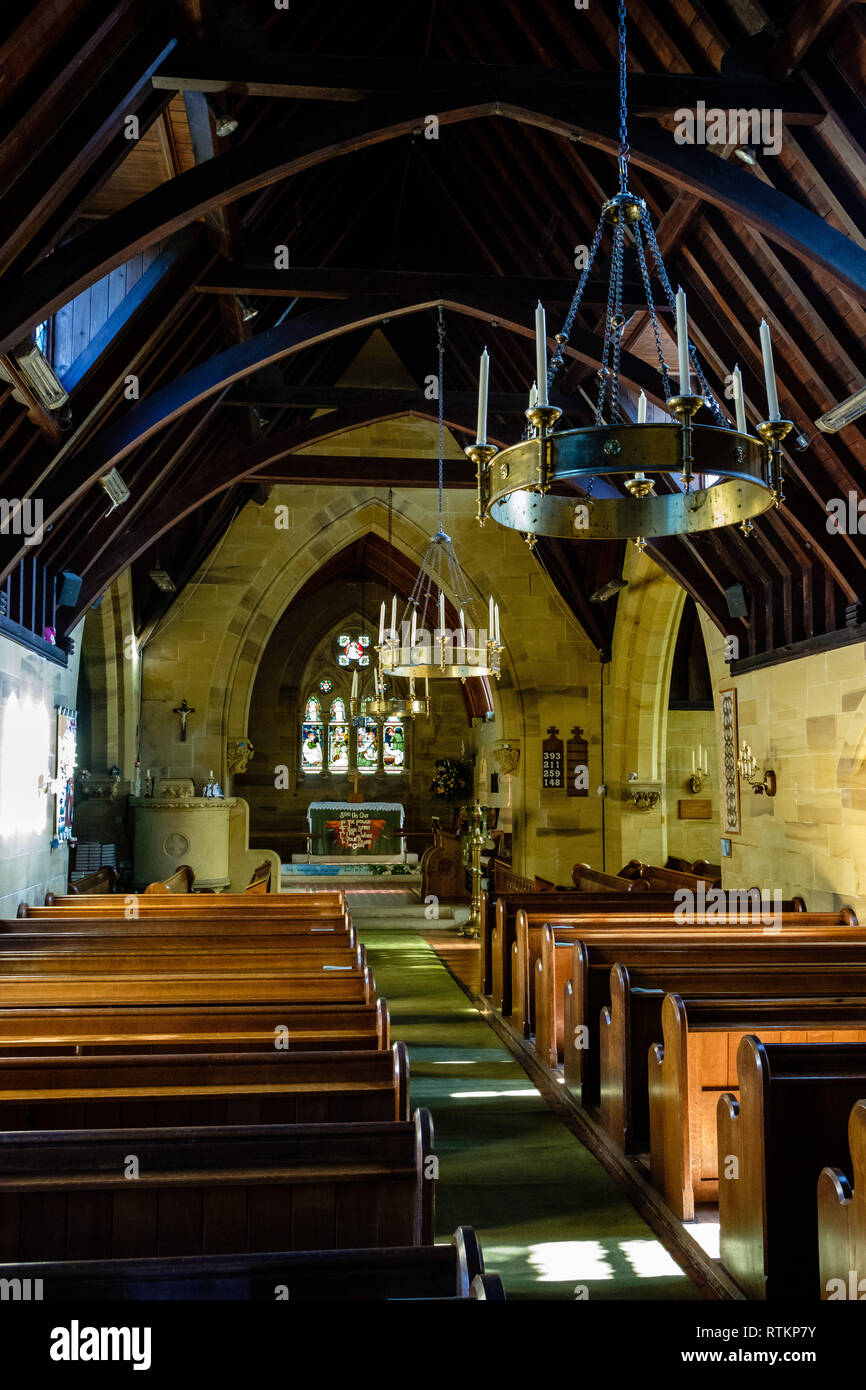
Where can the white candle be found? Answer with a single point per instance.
(490, 618)
(533, 396)
(442, 612)
(414, 627)
(496, 622)
(354, 685)
(394, 618)
(706, 762)
(739, 403)
(683, 345)
(541, 353)
(382, 623)
(426, 687)
(641, 409)
(769, 372)
(693, 762)
(483, 379)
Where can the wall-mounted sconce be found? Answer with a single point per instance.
(747, 766)
(644, 801)
(700, 769)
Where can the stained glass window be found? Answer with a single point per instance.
(311, 747)
(325, 686)
(338, 711)
(393, 745)
(313, 711)
(368, 747)
(338, 747)
(353, 649)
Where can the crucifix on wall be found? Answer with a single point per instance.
(183, 711)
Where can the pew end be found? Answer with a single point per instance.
(842, 1219)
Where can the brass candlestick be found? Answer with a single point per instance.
(543, 418)
(773, 432)
(685, 408)
(481, 455)
(476, 839)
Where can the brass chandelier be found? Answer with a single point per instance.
(422, 646)
(653, 478)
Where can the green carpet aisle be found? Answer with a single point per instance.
(548, 1215)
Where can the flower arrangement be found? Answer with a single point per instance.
(451, 779)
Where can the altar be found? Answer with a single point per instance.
(366, 829)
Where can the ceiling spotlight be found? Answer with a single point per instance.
(248, 310)
(844, 413)
(29, 369)
(608, 590)
(163, 581)
(116, 489)
(223, 124)
(801, 442)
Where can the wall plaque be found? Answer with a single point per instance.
(577, 764)
(552, 763)
(730, 776)
(696, 808)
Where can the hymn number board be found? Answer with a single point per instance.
(552, 762)
(577, 764)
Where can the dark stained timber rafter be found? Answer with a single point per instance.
(259, 162)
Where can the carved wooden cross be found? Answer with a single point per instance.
(184, 712)
(355, 778)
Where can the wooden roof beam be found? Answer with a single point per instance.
(327, 77)
(336, 282)
(259, 162)
(807, 24)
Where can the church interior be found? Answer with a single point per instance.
(433, 653)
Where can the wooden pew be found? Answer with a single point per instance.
(572, 980)
(180, 881)
(418, 1272)
(587, 879)
(790, 1120)
(170, 931)
(528, 928)
(287, 955)
(697, 1061)
(39, 990)
(206, 905)
(566, 906)
(656, 959)
(97, 1029)
(260, 880)
(64, 1194)
(203, 1089)
(99, 882)
(842, 1219)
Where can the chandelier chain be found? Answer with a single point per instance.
(624, 148)
(440, 336)
(706, 392)
(644, 271)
